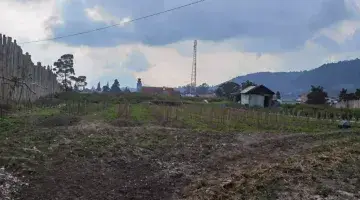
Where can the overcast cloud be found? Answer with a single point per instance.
(235, 37)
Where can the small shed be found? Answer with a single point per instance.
(255, 96)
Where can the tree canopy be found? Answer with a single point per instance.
(246, 84)
(317, 95)
(278, 95)
(115, 87)
(106, 88)
(98, 88)
(203, 89)
(80, 81)
(64, 68)
(225, 89)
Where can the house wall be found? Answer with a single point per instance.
(244, 99)
(254, 100)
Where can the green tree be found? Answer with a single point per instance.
(187, 89)
(278, 96)
(203, 89)
(64, 68)
(343, 94)
(80, 81)
(225, 89)
(247, 84)
(98, 88)
(357, 93)
(106, 88)
(127, 90)
(115, 88)
(317, 95)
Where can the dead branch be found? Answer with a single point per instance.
(16, 81)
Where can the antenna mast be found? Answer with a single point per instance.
(193, 71)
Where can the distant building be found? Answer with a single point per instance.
(255, 96)
(159, 91)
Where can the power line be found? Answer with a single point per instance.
(113, 25)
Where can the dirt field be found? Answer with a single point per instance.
(82, 159)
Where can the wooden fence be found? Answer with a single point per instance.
(20, 79)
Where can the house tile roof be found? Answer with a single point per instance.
(248, 89)
(256, 89)
(158, 90)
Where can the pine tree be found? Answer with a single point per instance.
(98, 88)
(278, 96)
(64, 68)
(106, 88)
(115, 87)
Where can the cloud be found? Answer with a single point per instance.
(17, 18)
(136, 61)
(98, 14)
(273, 30)
(233, 38)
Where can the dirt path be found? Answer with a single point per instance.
(100, 161)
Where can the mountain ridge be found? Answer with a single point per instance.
(332, 76)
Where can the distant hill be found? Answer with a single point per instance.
(332, 76)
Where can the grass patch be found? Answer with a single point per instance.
(140, 113)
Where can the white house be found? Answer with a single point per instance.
(256, 96)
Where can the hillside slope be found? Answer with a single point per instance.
(332, 76)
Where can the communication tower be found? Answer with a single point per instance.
(193, 71)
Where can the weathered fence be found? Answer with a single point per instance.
(20, 79)
(348, 104)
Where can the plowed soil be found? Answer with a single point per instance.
(96, 160)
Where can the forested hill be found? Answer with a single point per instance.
(332, 76)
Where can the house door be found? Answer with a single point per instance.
(266, 101)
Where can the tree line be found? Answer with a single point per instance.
(65, 72)
(115, 88)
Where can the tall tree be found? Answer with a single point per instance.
(115, 86)
(76, 88)
(98, 88)
(203, 88)
(247, 84)
(64, 68)
(278, 96)
(225, 89)
(357, 93)
(317, 95)
(106, 88)
(127, 90)
(80, 81)
(343, 94)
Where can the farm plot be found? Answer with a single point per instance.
(224, 119)
(141, 151)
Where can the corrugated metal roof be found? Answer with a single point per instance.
(248, 89)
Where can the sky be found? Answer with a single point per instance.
(235, 37)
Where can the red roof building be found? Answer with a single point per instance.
(159, 90)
